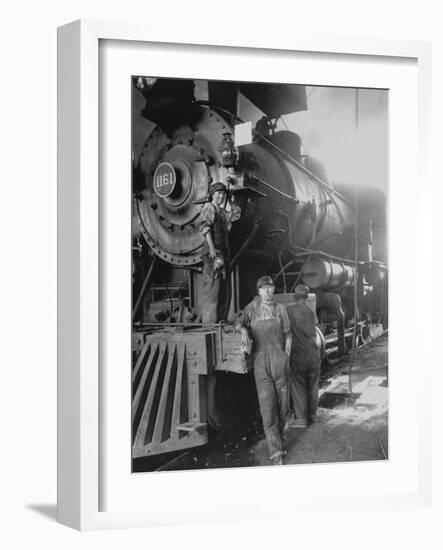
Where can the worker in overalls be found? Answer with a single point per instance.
(304, 359)
(266, 328)
(217, 216)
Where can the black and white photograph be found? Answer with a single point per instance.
(259, 274)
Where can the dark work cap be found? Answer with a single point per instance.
(217, 186)
(265, 280)
(301, 291)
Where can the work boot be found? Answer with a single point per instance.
(298, 423)
(277, 460)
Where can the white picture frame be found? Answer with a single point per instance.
(81, 394)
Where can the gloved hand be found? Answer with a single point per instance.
(219, 266)
(218, 262)
(246, 342)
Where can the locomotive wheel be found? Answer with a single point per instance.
(365, 334)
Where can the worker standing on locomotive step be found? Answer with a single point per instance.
(304, 359)
(267, 322)
(216, 221)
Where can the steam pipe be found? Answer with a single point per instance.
(247, 242)
(143, 288)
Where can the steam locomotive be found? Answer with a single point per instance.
(295, 225)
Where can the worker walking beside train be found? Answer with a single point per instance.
(266, 323)
(304, 359)
(216, 221)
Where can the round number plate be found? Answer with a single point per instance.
(164, 179)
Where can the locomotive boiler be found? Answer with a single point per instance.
(295, 225)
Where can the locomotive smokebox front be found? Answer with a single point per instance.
(176, 167)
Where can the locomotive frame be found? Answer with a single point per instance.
(81, 476)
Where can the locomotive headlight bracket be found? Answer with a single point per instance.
(228, 151)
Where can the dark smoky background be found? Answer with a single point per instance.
(347, 129)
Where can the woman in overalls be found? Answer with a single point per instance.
(267, 323)
(215, 225)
